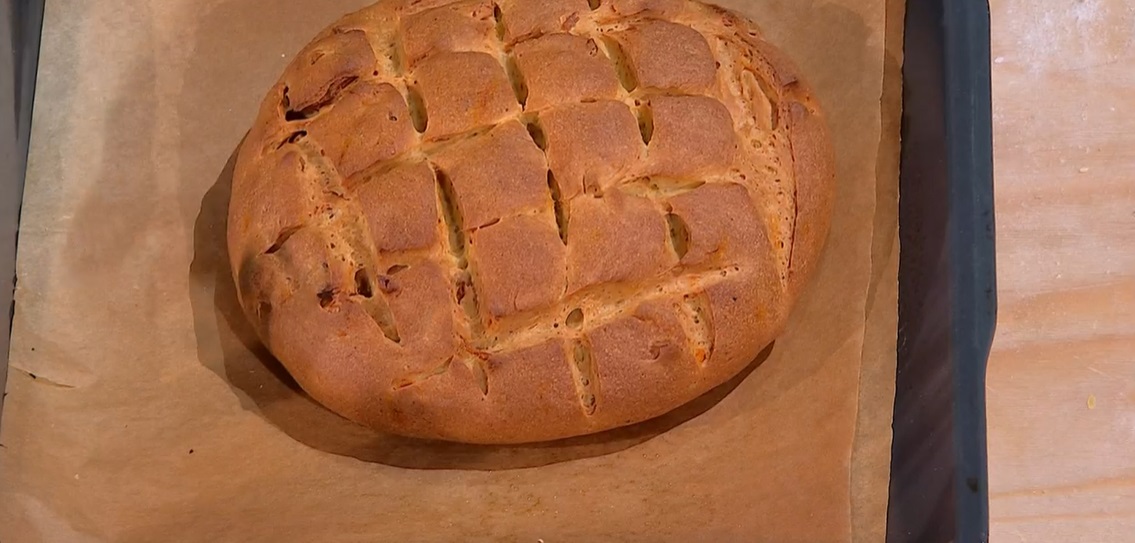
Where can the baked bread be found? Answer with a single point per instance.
(530, 219)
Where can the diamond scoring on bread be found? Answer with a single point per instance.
(524, 220)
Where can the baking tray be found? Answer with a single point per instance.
(947, 294)
(947, 290)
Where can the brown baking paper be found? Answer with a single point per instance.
(141, 408)
(871, 455)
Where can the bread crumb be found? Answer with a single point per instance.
(1085, 169)
(999, 60)
(1091, 401)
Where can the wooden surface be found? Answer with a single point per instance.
(1062, 375)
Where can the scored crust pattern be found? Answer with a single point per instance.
(522, 220)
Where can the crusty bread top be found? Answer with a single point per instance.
(529, 219)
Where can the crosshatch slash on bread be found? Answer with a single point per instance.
(524, 220)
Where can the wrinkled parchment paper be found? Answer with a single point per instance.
(140, 407)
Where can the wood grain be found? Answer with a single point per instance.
(1062, 374)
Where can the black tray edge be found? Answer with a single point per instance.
(947, 291)
(969, 127)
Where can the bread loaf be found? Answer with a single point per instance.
(524, 220)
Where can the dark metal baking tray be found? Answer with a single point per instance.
(947, 295)
(947, 290)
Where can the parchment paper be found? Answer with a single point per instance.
(871, 456)
(140, 408)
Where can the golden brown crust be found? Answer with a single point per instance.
(813, 158)
(529, 219)
(590, 146)
(813, 166)
(564, 69)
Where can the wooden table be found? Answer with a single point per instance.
(1062, 375)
